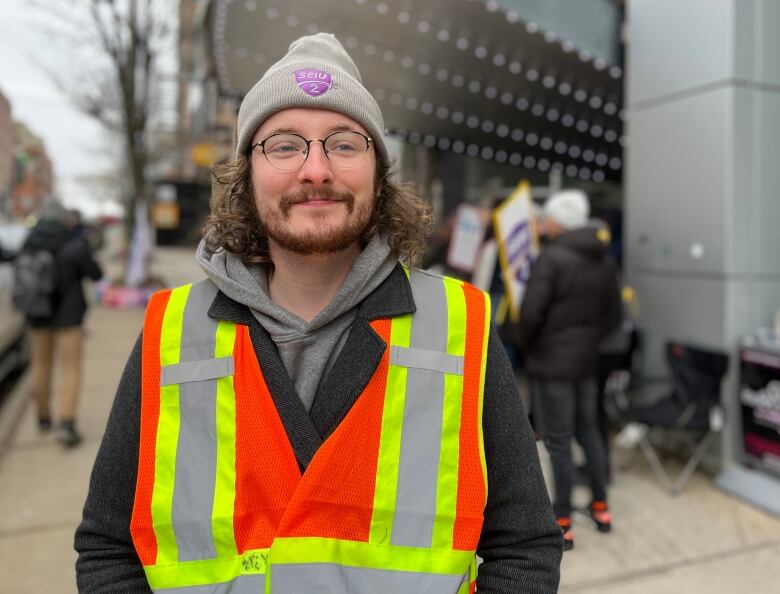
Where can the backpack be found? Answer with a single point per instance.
(36, 283)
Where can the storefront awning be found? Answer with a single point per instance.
(456, 75)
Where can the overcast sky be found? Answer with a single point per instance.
(76, 144)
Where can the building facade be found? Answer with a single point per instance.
(479, 84)
(33, 174)
(6, 153)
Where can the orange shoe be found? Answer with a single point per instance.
(599, 512)
(568, 535)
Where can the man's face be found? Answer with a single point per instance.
(319, 208)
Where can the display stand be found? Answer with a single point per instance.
(751, 485)
(756, 475)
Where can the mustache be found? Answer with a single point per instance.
(287, 201)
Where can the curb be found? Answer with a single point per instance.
(12, 411)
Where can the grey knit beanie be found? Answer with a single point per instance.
(316, 72)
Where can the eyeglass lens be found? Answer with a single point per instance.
(288, 151)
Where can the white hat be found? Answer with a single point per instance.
(568, 208)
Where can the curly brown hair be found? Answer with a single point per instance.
(234, 224)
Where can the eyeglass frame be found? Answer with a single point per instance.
(261, 144)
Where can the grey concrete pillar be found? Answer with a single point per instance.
(703, 170)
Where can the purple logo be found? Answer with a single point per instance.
(313, 82)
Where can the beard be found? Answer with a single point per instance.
(326, 237)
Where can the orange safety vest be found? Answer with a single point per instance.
(392, 501)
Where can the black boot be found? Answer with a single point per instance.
(67, 434)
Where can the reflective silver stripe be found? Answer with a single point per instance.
(196, 453)
(196, 371)
(423, 412)
(330, 578)
(425, 359)
(243, 584)
(199, 330)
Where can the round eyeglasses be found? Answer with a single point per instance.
(288, 152)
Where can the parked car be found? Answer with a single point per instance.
(13, 347)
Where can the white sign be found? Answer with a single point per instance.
(140, 247)
(468, 233)
(518, 244)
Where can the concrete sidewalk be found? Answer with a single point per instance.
(42, 486)
(700, 541)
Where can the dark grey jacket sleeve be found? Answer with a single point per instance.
(89, 267)
(107, 561)
(521, 544)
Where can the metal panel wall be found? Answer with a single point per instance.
(769, 42)
(676, 184)
(767, 173)
(703, 185)
(766, 301)
(678, 46)
(741, 212)
(677, 307)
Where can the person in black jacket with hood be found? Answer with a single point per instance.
(571, 302)
(62, 330)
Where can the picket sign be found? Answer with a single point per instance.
(518, 243)
(468, 234)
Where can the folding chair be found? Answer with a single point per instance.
(691, 407)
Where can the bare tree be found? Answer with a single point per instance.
(116, 52)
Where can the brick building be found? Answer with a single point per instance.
(6, 152)
(32, 175)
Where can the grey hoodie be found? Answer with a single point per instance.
(307, 349)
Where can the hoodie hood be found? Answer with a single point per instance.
(591, 241)
(48, 235)
(248, 284)
(307, 349)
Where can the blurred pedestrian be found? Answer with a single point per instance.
(571, 302)
(49, 273)
(310, 414)
(76, 223)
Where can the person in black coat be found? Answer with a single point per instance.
(571, 302)
(63, 329)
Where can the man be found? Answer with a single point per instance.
(571, 302)
(308, 418)
(49, 273)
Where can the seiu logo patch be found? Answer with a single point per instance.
(313, 82)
